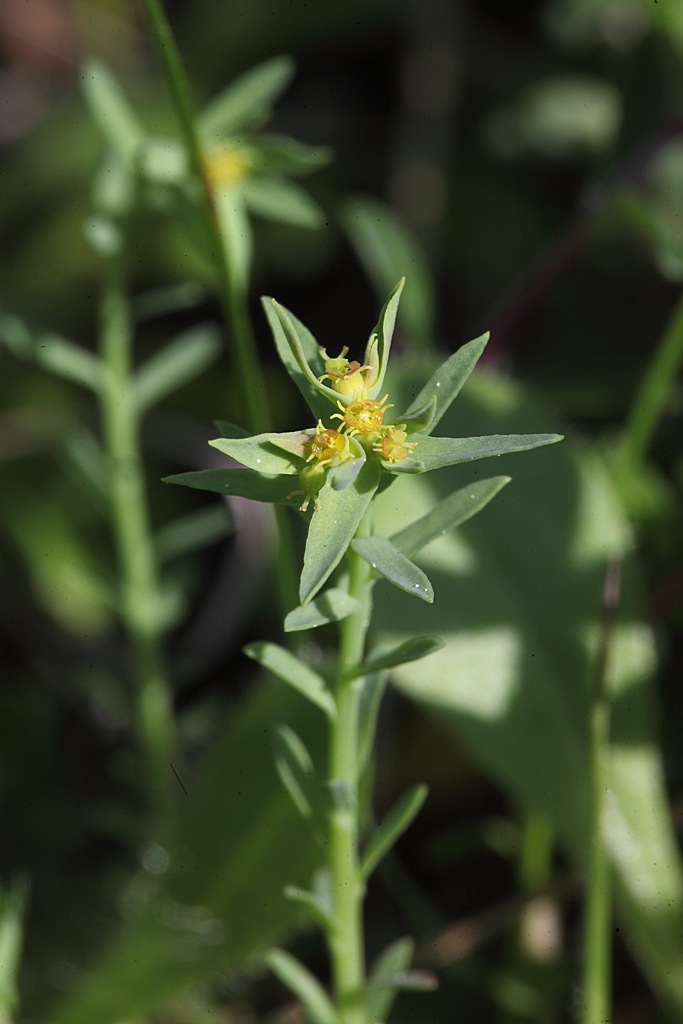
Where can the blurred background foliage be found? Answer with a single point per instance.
(523, 166)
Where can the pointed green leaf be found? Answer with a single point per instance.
(446, 383)
(307, 988)
(296, 771)
(112, 112)
(278, 154)
(394, 566)
(185, 357)
(51, 352)
(317, 907)
(457, 508)
(371, 695)
(167, 300)
(379, 345)
(437, 452)
(261, 454)
(284, 325)
(420, 421)
(332, 528)
(332, 606)
(248, 100)
(227, 429)
(412, 650)
(282, 200)
(394, 825)
(381, 987)
(291, 670)
(385, 247)
(274, 490)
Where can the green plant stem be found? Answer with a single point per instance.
(140, 593)
(232, 293)
(346, 939)
(597, 920)
(654, 393)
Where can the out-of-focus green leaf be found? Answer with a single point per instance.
(381, 987)
(247, 101)
(287, 667)
(394, 825)
(410, 650)
(307, 988)
(109, 107)
(12, 909)
(50, 352)
(235, 232)
(193, 532)
(282, 200)
(448, 380)
(278, 154)
(274, 490)
(332, 528)
(454, 510)
(216, 902)
(179, 361)
(394, 566)
(388, 252)
(282, 324)
(332, 606)
(519, 603)
(297, 774)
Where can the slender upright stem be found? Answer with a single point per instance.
(140, 593)
(597, 920)
(346, 940)
(654, 393)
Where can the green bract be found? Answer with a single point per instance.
(357, 441)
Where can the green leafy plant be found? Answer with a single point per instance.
(340, 464)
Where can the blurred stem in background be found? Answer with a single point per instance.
(233, 293)
(140, 594)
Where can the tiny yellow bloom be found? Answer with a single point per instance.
(364, 416)
(347, 375)
(226, 166)
(392, 444)
(328, 445)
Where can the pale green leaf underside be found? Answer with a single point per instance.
(457, 508)
(274, 490)
(448, 380)
(332, 528)
(389, 562)
(331, 606)
(307, 988)
(295, 673)
(259, 453)
(394, 825)
(412, 650)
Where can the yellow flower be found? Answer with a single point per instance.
(347, 375)
(364, 416)
(328, 445)
(392, 444)
(226, 166)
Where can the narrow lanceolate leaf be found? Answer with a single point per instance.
(51, 352)
(449, 379)
(393, 826)
(411, 650)
(248, 99)
(307, 988)
(278, 154)
(332, 528)
(297, 774)
(332, 606)
(437, 452)
(112, 112)
(379, 346)
(285, 325)
(274, 490)
(227, 429)
(371, 695)
(259, 452)
(382, 990)
(289, 669)
(388, 561)
(185, 357)
(457, 508)
(301, 354)
(282, 200)
(314, 903)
